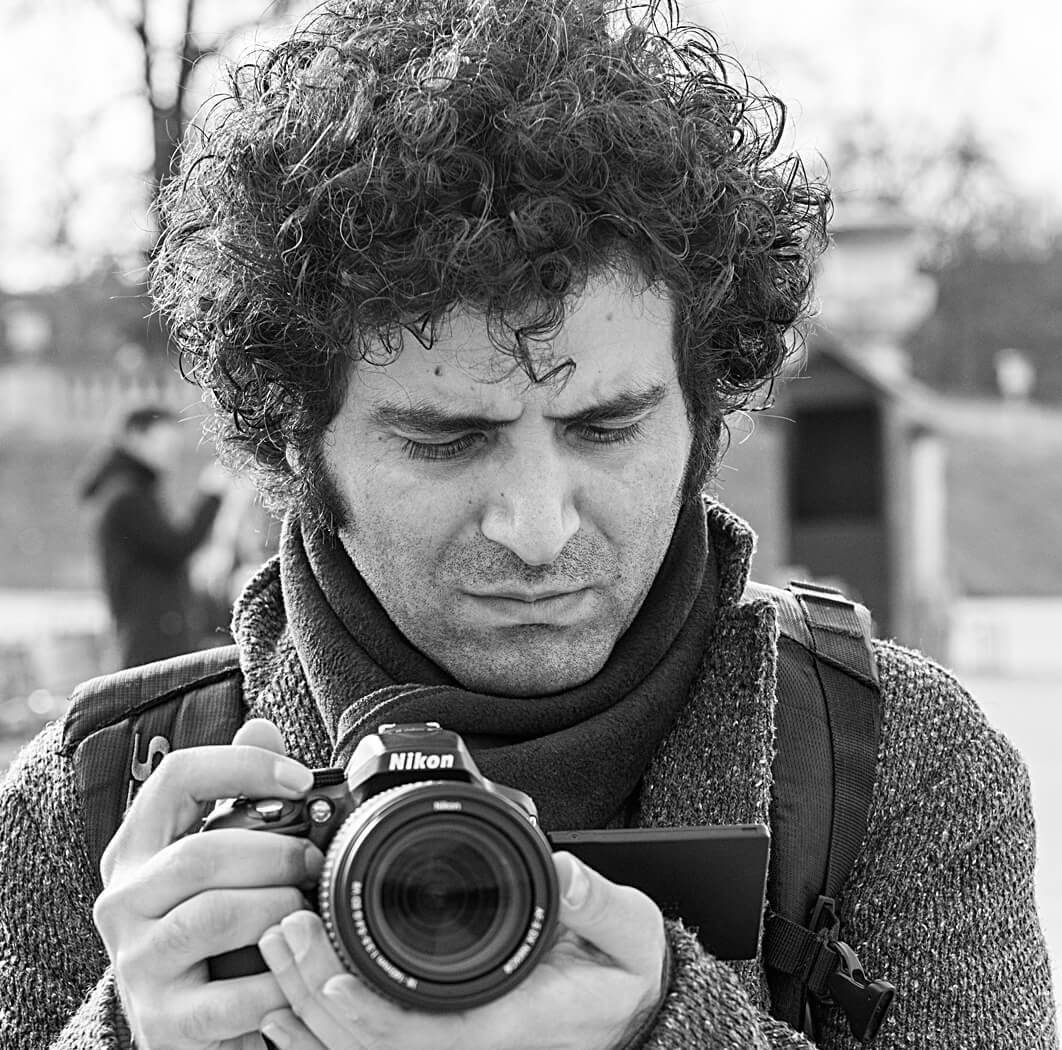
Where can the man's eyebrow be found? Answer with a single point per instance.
(429, 418)
(621, 406)
(425, 417)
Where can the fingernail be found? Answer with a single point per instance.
(578, 888)
(296, 933)
(293, 775)
(274, 949)
(276, 1035)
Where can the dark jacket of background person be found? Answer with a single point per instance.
(144, 559)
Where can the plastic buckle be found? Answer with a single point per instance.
(865, 1003)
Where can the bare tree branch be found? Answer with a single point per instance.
(191, 54)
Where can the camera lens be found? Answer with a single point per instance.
(441, 895)
(446, 898)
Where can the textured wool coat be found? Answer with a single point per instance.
(940, 898)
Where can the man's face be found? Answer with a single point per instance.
(510, 530)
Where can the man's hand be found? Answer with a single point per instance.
(172, 900)
(591, 991)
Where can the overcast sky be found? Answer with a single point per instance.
(921, 69)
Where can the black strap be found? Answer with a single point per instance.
(127, 722)
(844, 661)
(833, 633)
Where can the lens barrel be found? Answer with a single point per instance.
(440, 894)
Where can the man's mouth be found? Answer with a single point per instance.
(519, 594)
(520, 606)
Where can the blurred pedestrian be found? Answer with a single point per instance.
(244, 536)
(143, 553)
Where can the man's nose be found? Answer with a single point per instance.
(532, 511)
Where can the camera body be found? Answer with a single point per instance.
(438, 887)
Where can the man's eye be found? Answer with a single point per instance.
(608, 435)
(433, 451)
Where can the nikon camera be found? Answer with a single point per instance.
(438, 887)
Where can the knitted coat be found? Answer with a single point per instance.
(940, 899)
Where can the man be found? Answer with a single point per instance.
(473, 286)
(143, 553)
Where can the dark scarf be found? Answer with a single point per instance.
(580, 753)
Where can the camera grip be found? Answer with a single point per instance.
(240, 962)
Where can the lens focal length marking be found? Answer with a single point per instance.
(534, 930)
(357, 912)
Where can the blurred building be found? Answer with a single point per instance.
(1004, 527)
(844, 475)
(941, 513)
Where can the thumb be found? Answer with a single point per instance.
(620, 921)
(260, 732)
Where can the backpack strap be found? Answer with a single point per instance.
(131, 720)
(829, 726)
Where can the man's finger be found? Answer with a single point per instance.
(620, 921)
(215, 922)
(261, 732)
(226, 858)
(300, 980)
(172, 798)
(222, 1010)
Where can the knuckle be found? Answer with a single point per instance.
(129, 967)
(109, 859)
(111, 913)
(194, 861)
(189, 930)
(104, 910)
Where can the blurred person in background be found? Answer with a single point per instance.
(243, 537)
(144, 553)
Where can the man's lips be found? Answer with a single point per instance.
(530, 596)
(518, 606)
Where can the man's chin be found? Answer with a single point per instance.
(532, 666)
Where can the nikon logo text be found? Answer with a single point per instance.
(404, 761)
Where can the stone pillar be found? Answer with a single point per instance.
(871, 292)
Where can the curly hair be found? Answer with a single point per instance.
(394, 159)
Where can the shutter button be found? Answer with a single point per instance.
(270, 809)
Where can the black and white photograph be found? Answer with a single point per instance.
(530, 525)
